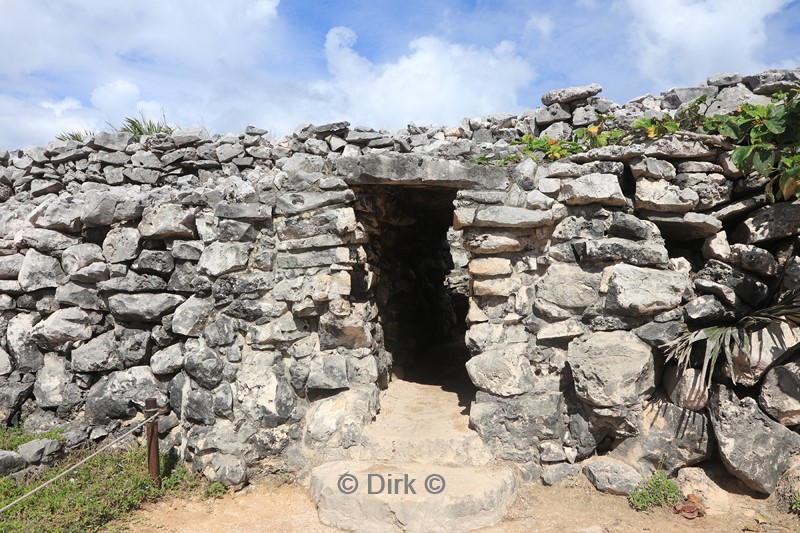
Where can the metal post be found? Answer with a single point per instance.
(153, 466)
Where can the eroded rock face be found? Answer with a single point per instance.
(612, 368)
(752, 447)
(780, 394)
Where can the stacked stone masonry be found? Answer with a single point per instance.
(252, 286)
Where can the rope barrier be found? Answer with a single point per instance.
(76, 465)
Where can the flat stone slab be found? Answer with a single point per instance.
(374, 497)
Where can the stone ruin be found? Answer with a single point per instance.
(264, 290)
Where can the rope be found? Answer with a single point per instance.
(76, 465)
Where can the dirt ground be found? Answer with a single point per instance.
(572, 506)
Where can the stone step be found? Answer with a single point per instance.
(411, 447)
(376, 497)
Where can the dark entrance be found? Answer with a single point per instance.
(421, 294)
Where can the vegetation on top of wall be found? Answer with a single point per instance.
(138, 127)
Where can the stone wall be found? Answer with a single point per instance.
(260, 288)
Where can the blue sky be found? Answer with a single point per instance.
(223, 64)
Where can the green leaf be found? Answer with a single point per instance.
(775, 125)
(763, 160)
(671, 126)
(730, 130)
(740, 156)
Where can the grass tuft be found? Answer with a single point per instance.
(657, 491)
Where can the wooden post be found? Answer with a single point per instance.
(153, 466)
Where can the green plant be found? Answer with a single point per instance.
(139, 127)
(214, 490)
(725, 339)
(480, 160)
(795, 507)
(657, 491)
(551, 149)
(106, 487)
(513, 158)
(599, 134)
(654, 127)
(11, 437)
(75, 135)
(768, 141)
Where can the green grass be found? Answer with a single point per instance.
(107, 487)
(11, 437)
(215, 490)
(795, 507)
(657, 491)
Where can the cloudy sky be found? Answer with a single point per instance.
(223, 64)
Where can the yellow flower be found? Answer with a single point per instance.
(593, 129)
(651, 132)
(557, 155)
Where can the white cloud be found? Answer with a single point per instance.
(437, 81)
(541, 25)
(683, 41)
(117, 97)
(62, 106)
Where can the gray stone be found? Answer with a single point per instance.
(44, 240)
(776, 221)
(730, 98)
(581, 291)
(717, 247)
(559, 130)
(501, 373)
(20, 345)
(167, 361)
(621, 250)
(79, 256)
(512, 217)
(10, 266)
(630, 227)
(690, 226)
(768, 346)
(634, 290)
(222, 258)
(730, 283)
(98, 355)
(187, 250)
(773, 80)
(593, 188)
(52, 388)
(12, 396)
(780, 394)
(112, 141)
(664, 197)
(154, 262)
(243, 211)
(753, 259)
(684, 387)
(143, 307)
(227, 469)
(674, 148)
(167, 221)
(121, 244)
(545, 116)
(553, 474)
(202, 364)
(191, 316)
(300, 202)
(612, 368)
(652, 168)
(65, 325)
(675, 98)
(10, 462)
(752, 447)
(723, 79)
(612, 476)
(327, 370)
(670, 439)
(6, 364)
(563, 96)
(39, 271)
(122, 393)
(199, 407)
(265, 397)
(513, 426)
(40, 450)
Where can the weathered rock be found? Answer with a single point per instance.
(65, 325)
(512, 217)
(202, 364)
(53, 388)
(581, 291)
(769, 223)
(664, 197)
(717, 247)
(143, 307)
(11, 462)
(222, 258)
(79, 256)
(685, 388)
(649, 167)
(167, 361)
(327, 370)
(753, 259)
(20, 344)
(192, 315)
(501, 373)
(768, 346)
(593, 188)
(690, 226)
(563, 96)
(671, 438)
(40, 450)
(122, 393)
(80, 295)
(121, 244)
(634, 290)
(709, 485)
(612, 368)
(752, 447)
(730, 283)
(555, 473)
(612, 476)
(98, 355)
(621, 250)
(780, 394)
(167, 220)
(44, 240)
(39, 271)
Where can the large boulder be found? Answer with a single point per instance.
(642, 291)
(670, 439)
(121, 393)
(752, 446)
(775, 221)
(780, 394)
(501, 373)
(612, 368)
(768, 346)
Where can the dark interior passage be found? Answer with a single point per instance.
(422, 307)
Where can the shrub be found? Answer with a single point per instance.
(215, 490)
(658, 490)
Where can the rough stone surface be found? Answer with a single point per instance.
(780, 394)
(612, 476)
(752, 447)
(634, 290)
